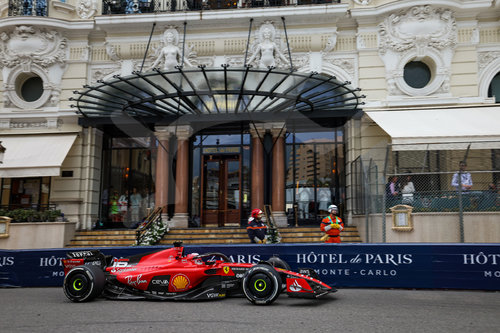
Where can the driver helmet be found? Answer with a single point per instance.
(333, 209)
(256, 212)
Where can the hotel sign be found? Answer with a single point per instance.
(221, 150)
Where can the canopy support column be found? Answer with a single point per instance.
(162, 170)
(181, 216)
(278, 176)
(257, 195)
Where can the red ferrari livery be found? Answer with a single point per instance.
(172, 275)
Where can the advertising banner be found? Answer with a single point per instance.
(433, 266)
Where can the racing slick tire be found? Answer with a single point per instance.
(279, 263)
(262, 284)
(84, 283)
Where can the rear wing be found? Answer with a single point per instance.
(85, 257)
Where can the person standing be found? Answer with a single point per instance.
(392, 191)
(135, 205)
(332, 225)
(256, 228)
(123, 204)
(463, 176)
(114, 211)
(407, 190)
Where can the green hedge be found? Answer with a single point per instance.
(30, 215)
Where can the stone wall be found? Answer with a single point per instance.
(432, 228)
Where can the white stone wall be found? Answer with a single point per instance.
(432, 228)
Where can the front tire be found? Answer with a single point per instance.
(262, 284)
(279, 263)
(84, 283)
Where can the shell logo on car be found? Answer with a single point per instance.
(180, 282)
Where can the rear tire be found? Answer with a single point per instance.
(262, 284)
(84, 283)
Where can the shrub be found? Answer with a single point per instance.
(30, 215)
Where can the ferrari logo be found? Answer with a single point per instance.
(226, 269)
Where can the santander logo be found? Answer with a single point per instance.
(295, 286)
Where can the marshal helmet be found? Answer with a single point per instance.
(333, 209)
(256, 212)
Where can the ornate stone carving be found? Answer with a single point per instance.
(485, 58)
(111, 51)
(171, 54)
(363, 2)
(301, 60)
(266, 48)
(360, 42)
(103, 73)
(27, 45)
(28, 52)
(422, 33)
(330, 43)
(421, 27)
(86, 8)
(236, 61)
(488, 67)
(347, 64)
(208, 61)
(86, 52)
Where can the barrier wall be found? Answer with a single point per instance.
(441, 266)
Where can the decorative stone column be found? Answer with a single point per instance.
(257, 186)
(180, 219)
(162, 170)
(278, 175)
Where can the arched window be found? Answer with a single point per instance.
(494, 88)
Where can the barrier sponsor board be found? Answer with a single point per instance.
(441, 266)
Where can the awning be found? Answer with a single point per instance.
(441, 129)
(35, 155)
(202, 95)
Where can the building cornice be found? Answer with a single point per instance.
(468, 8)
(232, 18)
(71, 27)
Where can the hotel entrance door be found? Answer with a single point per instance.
(221, 187)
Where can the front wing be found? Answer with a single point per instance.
(305, 286)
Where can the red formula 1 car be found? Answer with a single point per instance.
(172, 275)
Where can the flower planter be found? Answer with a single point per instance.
(38, 235)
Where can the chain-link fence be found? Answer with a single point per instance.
(447, 183)
(430, 180)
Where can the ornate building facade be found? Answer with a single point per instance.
(210, 109)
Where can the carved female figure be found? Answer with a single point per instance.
(170, 54)
(267, 49)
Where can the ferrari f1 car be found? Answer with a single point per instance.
(170, 274)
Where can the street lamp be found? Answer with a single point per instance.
(2, 152)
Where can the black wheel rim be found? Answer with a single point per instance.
(260, 285)
(78, 285)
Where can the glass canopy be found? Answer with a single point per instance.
(229, 92)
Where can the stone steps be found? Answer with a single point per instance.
(126, 237)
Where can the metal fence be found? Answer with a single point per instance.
(110, 7)
(28, 8)
(437, 181)
(158, 6)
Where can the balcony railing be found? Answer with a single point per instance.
(158, 6)
(28, 8)
(40, 7)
